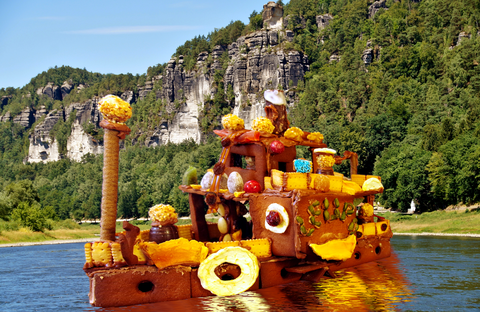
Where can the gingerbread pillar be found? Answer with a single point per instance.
(278, 116)
(110, 185)
(113, 134)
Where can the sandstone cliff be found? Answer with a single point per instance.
(256, 62)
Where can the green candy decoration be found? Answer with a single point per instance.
(326, 203)
(190, 176)
(326, 215)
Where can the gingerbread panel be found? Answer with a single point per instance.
(143, 284)
(283, 244)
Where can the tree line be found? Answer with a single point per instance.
(412, 115)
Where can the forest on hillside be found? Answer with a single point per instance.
(412, 115)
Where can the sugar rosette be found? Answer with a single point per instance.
(114, 109)
(232, 122)
(164, 214)
(263, 124)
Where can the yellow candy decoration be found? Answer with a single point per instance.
(263, 124)
(294, 133)
(232, 122)
(114, 109)
(315, 137)
(165, 214)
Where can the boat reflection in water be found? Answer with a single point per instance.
(374, 286)
(377, 286)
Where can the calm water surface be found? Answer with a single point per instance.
(424, 274)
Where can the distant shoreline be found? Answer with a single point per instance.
(438, 234)
(52, 242)
(85, 240)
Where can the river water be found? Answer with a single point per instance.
(424, 274)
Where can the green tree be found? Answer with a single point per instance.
(31, 216)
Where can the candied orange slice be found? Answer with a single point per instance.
(175, 252)
(336, 249)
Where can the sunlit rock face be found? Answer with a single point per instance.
(43, 147)
(43, 144)
(272, 16)
(80, 144)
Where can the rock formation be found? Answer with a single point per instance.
(323, 21)
(256, 62)
(375, 7)
(56, 92)
(4, 101)
(43, 147)
(272, 16)
(26, 118)
(367, 55)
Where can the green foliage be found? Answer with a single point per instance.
(58, 75)
(214, 107)
(405, 177)
(454, 171)
(156, 70)
(409, 112)
(31, 216)
(61, 132)
(412, 115)
(222, 36)
(96, 133)
(256, 21)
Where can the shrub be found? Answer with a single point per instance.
(31, 216)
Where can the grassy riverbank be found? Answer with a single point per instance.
(436, 222)
(431, 222)
(11, 232)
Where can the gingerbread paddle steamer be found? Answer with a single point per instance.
(306, 221)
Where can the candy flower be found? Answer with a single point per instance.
(315, 137)
(114, 109)
(263, 124)
(164, 214)
(366, 210)
(294, 133)
(232, 122)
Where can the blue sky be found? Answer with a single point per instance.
(104, 36)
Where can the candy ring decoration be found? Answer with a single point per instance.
(239, 256)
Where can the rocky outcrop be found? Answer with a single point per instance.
(4, 100)
(272, 16)
(375, 7)
(26, 118)
(66, 88)
(256, 62)
(6, 117)
(323, 21)
(55, 92)
(367, 55)
(80, 144)
(335, 57)
(463, 36)
(43, 147)
(289, 35)
(42, 111)
(129, 97)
